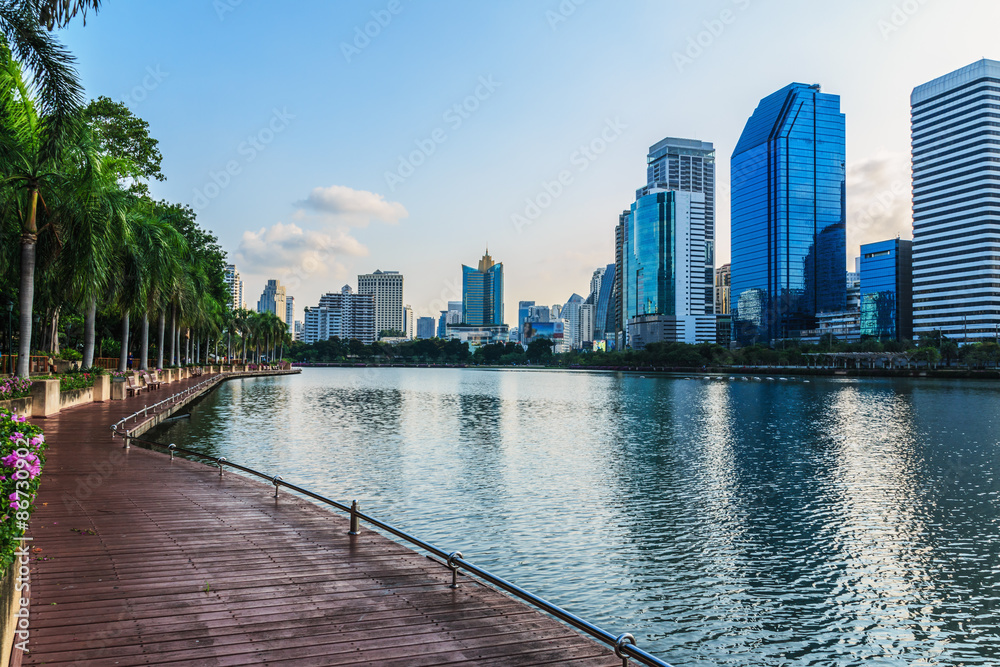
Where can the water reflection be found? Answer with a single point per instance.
(724, 523)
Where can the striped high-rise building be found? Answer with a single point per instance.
(955, 134)
(387, 288)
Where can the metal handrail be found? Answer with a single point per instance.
(624, 644)
(218, 377)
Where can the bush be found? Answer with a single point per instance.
(22, 456)
(70, 354)
(13, 387)
(73, 381)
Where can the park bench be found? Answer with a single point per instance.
(132, 386)
(151, 382)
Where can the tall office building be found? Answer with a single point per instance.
(342, 314)
(684, 165)
(290, 315)
(886, 291)
(665, 248)
(668, 269)
(235, 285)
(956, 203)
(272, 299)
(387, 289)
(618, 295)
(409, 323)
(789, 248)
(482, 293)
(523, 312)
(604, 307)
(425, 327)
(571, 313)
(723, 277)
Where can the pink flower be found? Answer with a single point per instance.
(12, 499)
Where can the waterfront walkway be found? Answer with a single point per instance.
(140, 560)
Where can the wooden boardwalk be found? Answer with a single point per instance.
(140, 560)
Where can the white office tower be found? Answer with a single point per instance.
(235, 285)
(409, 323)
(290, 315)
(956, 203)
(345, 315)
(585, 330)
(387, 288)
(272, 299)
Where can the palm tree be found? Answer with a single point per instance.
(35, 149)
(95, 220)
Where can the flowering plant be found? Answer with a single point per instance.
(73, 381)
(22, 456)
(120, 374)
(14, 387)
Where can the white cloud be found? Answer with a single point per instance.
(340, 200)
(294, 255)
(878, 200)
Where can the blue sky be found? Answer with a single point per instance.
(316, 151)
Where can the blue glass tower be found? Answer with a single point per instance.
(482, 293)
(604, 322)
(789, 247)
(887, 289)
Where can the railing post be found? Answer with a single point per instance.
(620, 642)
(355, 520)
(220, 461)
(125, 438)
(172, 447)
(275, 480)
(454, 567)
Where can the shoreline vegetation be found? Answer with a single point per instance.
(933, 356)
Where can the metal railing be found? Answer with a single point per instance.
(623, 645)
(187, 391)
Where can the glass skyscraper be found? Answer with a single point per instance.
(789, 247)
(665, 247)
(956, 203)
(887, 289)
(482, 293)
(604, 322)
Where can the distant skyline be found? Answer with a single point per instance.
(317, 152)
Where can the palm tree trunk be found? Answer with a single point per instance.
(187, 345)
(55, 330)
(29, 239)
(144, 354)
(173, 326)
(159, 345)
(27, 293)
(123, 357)
(89, 324)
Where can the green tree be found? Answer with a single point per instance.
(36, 145)
(121, 134)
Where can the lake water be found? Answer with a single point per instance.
(832, 522)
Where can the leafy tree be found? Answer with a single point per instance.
(122, 135)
